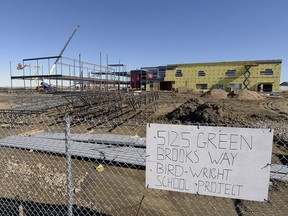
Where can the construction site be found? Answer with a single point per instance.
(73, 137)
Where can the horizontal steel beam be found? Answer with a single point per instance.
(41, 58)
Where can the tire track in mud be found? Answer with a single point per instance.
(276, 106)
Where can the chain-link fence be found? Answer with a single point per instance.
(88, 165)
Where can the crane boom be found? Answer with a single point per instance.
(62, 51)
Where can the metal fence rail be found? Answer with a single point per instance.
(60, 166)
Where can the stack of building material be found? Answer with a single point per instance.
(122, 149)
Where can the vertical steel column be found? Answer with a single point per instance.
(62, 74)
(114, 78)
(100, 71)
(107, 73)
(74, 73)
(10, 77)
(94, 84)
(56, 70)
(119, 76)
(24, 74)
(80, 73)
(70, 87)
(48, 67)
(89, 83)
(30, 76)
(37, 82)
(68, 166)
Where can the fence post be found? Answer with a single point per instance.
(68, 165)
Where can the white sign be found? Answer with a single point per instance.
(215, 161)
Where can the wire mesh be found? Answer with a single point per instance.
(90, 165)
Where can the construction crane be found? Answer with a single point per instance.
(62, 51)
(44, 85)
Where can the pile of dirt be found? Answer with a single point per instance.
(184, 112)
(217, 114)
(205, 113)
(215, 93)
(245, 94)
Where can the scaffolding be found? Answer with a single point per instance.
(247, 74)
(69, 74)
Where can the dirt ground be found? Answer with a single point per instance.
(217, 108)
(273, 107)
(39, 178)
(250, 109)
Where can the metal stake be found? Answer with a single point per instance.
(68, 165)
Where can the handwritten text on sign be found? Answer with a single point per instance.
(216, 161)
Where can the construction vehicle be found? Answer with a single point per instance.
(44, 85)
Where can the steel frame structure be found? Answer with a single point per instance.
(68, 73)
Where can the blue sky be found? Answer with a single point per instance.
(144, 33)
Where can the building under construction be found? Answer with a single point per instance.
(259, 75)
(59, 73)
(69, 74)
